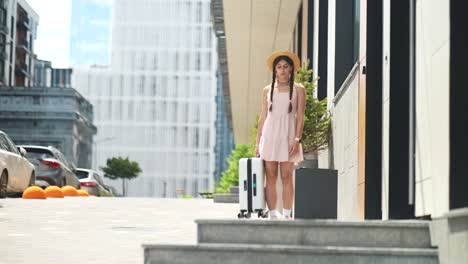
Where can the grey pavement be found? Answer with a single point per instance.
(98, 230)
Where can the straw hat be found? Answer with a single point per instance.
(276, 54)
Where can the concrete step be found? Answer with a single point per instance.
(386, 234)
(267, 254)
(225, 198)
(234, 190)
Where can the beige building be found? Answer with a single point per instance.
(253, 30)
(392, 72)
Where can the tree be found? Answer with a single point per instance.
(121, 168)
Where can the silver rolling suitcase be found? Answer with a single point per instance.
(251, 188)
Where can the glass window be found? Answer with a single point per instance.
(81, 174)
(197, 61)
(11, 146)
(173, 112)
(142, 62)
(198, 37)
(198, 14)
(109, 109)
(346, 39)
(164, 86)
(152, 110)
(130, 110)
(141, 86)
(121, 85)
(186, 65)
(38, 153)
(207, 64)
(153, 86)
(3, 144)
(155, 61)
(196, 138)
(356, 28)
(185, 112)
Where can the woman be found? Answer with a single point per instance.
(280, 129)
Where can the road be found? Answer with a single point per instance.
(98, 230)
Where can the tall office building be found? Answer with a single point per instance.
(90, 32)
(156, 101)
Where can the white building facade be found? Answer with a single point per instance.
(155, 103)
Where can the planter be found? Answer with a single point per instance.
(316, 194)
(310, 160)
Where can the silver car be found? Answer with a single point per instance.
(51, 166)
(92, 182)
(16, 172)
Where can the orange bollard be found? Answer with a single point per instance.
(34, 192)
(54, 192)
(69, 191)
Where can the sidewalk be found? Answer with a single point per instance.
(98, 230)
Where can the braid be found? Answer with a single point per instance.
(271, 90)
(291, 87)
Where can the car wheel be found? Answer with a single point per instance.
(3, 184)
(32, 180)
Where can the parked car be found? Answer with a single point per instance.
(91, 182)
(113, 191)
(51, 166)
(16, 172)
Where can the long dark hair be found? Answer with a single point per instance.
(291, 80)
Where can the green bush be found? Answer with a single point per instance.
(317, 120)
(230, 177)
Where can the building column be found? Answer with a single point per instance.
(401, 178)
(373, 126)
(322, 59)
(458, 95)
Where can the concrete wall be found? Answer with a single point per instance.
(345, 147)
(432, 107)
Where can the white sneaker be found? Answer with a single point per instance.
(276, 216)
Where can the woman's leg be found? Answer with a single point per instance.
(271, 171)
(287, 169)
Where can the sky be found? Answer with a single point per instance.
(53, 36)
(90, 32)
(53, 33)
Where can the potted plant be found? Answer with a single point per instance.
(315, 134)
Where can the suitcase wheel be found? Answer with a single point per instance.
(262, 214)
(243, 215)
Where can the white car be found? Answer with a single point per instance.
(16, 172)
(91, 182)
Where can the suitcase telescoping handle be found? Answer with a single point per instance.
(249, 185)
